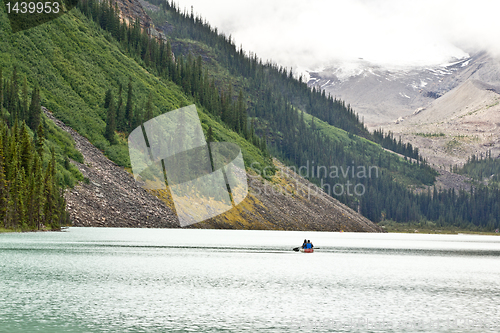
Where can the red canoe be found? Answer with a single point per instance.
(306, 250)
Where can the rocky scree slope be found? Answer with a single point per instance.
(112, 198)
(462, 122)
(290, 202)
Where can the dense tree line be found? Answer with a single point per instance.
(478, 207)
(263, 75)
(122, 116)
(388, 141)
(480, 167)
(30, 194)
(187, 72)
(15, 108)
(380, 196)
(279, 80)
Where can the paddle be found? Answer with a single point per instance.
(296, 249)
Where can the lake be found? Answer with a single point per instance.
(185, 280)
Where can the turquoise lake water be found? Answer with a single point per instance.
(174, 280)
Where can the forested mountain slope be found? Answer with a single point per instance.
(75, 65)
(303, 125)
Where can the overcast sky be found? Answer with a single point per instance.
(310, 34)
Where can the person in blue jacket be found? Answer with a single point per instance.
(304, 244)
(309, 244)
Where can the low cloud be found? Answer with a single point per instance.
(317, 33)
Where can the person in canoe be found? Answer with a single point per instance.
(306, 247)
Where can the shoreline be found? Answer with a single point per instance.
(391, 230)
(8, 231)
(427, 227)
(439, 232)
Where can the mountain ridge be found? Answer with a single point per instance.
(383, 95)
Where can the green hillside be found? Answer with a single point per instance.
(70, 64)
(74, 62)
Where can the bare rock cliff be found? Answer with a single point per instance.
(130, 10)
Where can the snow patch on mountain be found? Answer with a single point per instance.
(383, 94)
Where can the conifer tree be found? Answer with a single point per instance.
(4, 194)
(129, 108)
(1, 94)
(13, 98)
(210, 135)
(35, 110)
(149, 109)
(1, 85)
(40, 138)
(120, 121)
(210, 138)
(49, 192)
(242, 114)
(169, 60)
(107, 98)
(24, 109)
(147, 55)
(109, 132)
(137, 118)
(12, 154)
(26, 153)
(36, 191)
(19, 197)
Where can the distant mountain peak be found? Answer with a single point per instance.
(383, 94)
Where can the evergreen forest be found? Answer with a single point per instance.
(263, 107)
(32, 179)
